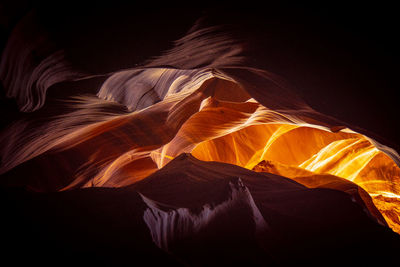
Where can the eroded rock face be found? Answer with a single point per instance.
(203, 112)
(204, 97)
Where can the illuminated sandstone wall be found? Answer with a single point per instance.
(212, 105)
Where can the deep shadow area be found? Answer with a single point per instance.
(106, 226)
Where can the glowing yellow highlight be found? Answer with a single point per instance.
(163, 155)
(313, 157)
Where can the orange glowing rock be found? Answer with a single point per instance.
(214, 108)
(315, 158)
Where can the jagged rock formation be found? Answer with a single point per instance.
(197, 213)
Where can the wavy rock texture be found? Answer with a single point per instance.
(204, 112)
(31, 63)
(202, 97)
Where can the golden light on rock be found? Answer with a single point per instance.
(314, 158)
(197, 155)
(209, 114)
